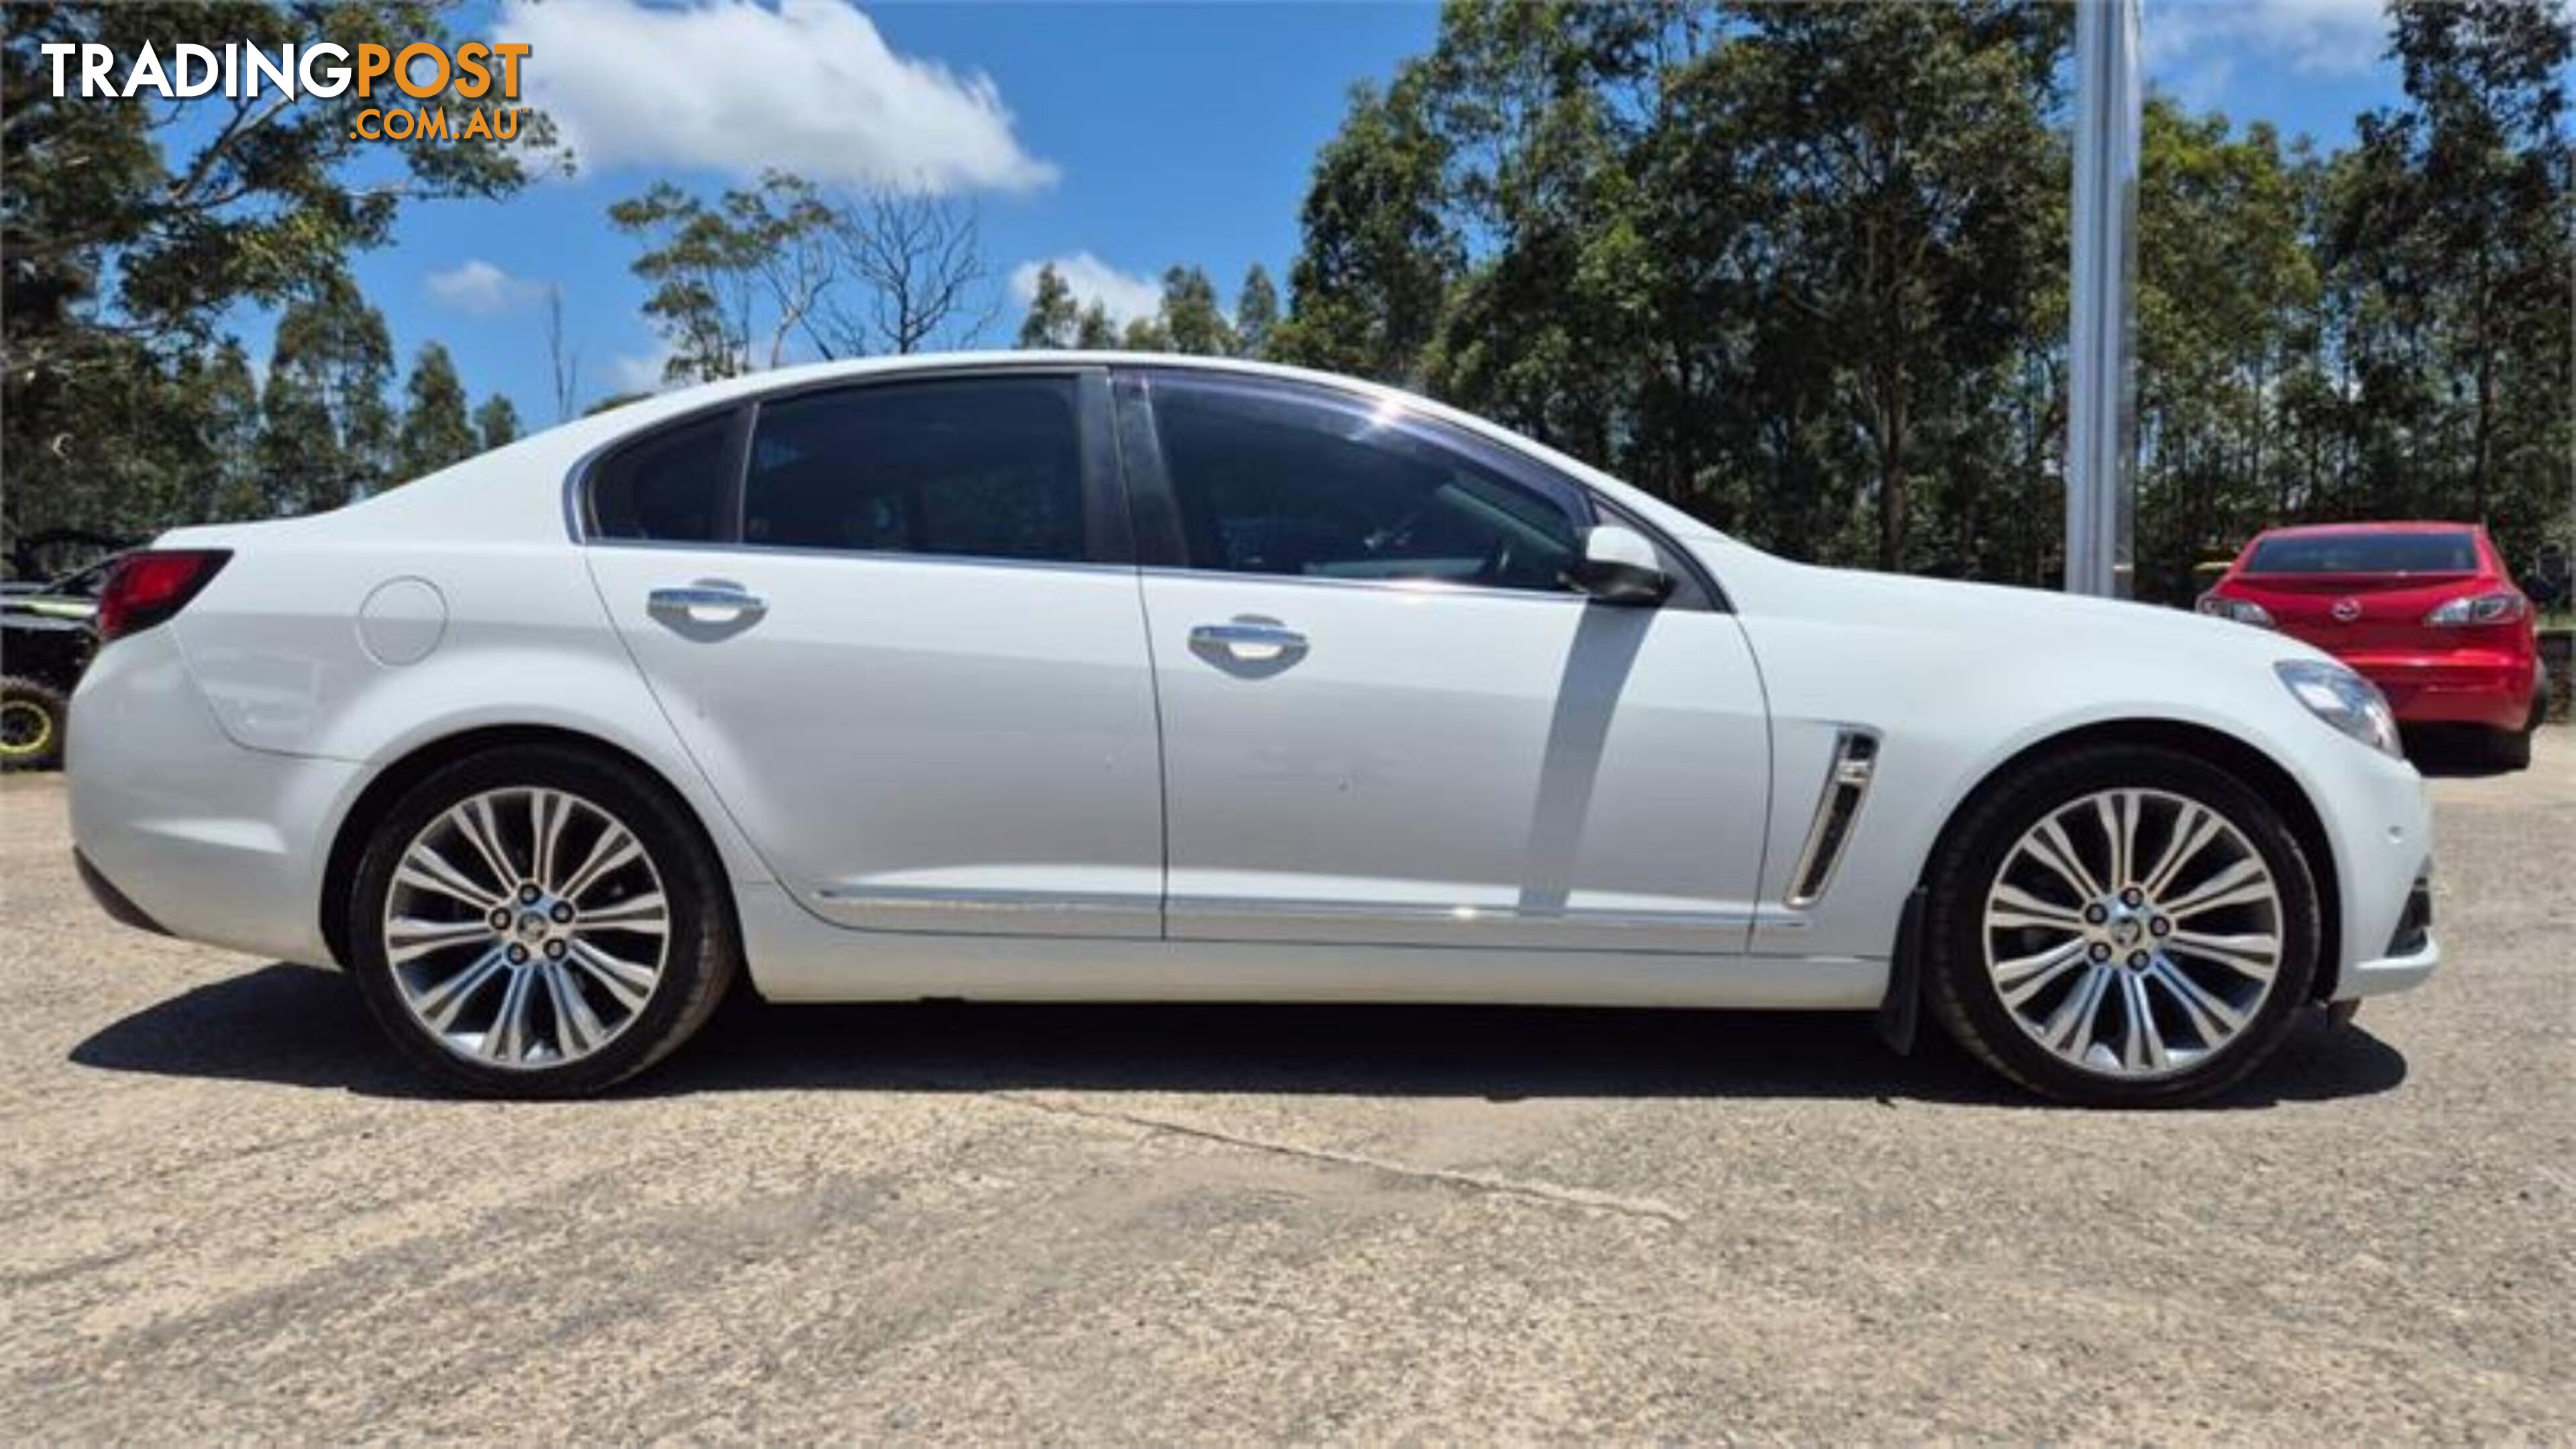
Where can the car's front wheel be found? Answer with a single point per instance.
(539, 921)
(2122, 926)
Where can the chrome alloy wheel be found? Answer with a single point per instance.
(2134, 933)
(526, 928)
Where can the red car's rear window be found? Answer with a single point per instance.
(2366, 553)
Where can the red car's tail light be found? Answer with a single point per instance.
(2505, 606)
(2243, 611)
(152, 585)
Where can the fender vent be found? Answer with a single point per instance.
(1855, 759)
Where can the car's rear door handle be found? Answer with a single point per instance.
(706, 597)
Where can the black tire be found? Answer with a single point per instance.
(33, 716)
(702, 956)
(1963, 996)
(2509, 749)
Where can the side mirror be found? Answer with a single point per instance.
(1619, 567)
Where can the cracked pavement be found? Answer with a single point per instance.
(225, 1212)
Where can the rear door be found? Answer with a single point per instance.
(896, 623)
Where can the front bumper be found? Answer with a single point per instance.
(2408, 958)
(2379, 828)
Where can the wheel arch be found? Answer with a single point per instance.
(2260, 772)
(358, 823)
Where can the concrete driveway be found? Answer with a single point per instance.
(223, 1211)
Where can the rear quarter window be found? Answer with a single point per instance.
(669, 486)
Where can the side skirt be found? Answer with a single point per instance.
(795, 956)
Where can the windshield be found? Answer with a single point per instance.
(2366, 553)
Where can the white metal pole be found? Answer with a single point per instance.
(2101, 413)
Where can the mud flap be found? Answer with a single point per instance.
(1902, 1007)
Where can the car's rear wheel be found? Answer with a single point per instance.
(2511, 749)
(2122, 926)
(539, 921)
(31, 725)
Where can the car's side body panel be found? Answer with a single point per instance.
(919, 744)
(1960, 679)
(1458, 767)
(213, 842)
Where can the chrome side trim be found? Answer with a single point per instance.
(1435, 588)
(864, 555)
(1427, 911)
(964, 900)
(1855, 760)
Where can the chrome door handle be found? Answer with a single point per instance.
(1263, 644)
(1243, 635)
(705, 595)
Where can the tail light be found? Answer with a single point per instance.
(150, 586)
(2243, 611)
(2504, 606)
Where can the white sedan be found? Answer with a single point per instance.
(1066, 676)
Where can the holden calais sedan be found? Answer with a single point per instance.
(1063, 676)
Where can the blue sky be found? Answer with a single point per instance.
(1123, 137)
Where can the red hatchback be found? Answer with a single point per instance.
(2425, 611)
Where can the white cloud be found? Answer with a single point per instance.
(1123, 295)
(639, 371)
(2197, 45)
(480, 288)
(732, 86)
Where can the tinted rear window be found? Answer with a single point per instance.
(669, 486)
(2365, 553)
(970, 467)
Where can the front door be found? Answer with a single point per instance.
(1386, 718)
(906, 649)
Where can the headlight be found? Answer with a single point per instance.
(2243, 611)
(2345, 700)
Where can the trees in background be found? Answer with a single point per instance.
(1054, 316)
(1801, 270)
(129, 228)
(1188, 317)
(435, 429)
(2446, 234)
(496, 423)
(1256, 312)
(918, 265)
(327, 432)
(1190, 320)
(739, 283)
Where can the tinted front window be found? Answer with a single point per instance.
(1310, 485)
(981, 467)
(670, 486)
(2365, 553)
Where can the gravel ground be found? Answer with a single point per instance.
(223, 1212)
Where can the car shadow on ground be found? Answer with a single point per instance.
(298, 1026)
